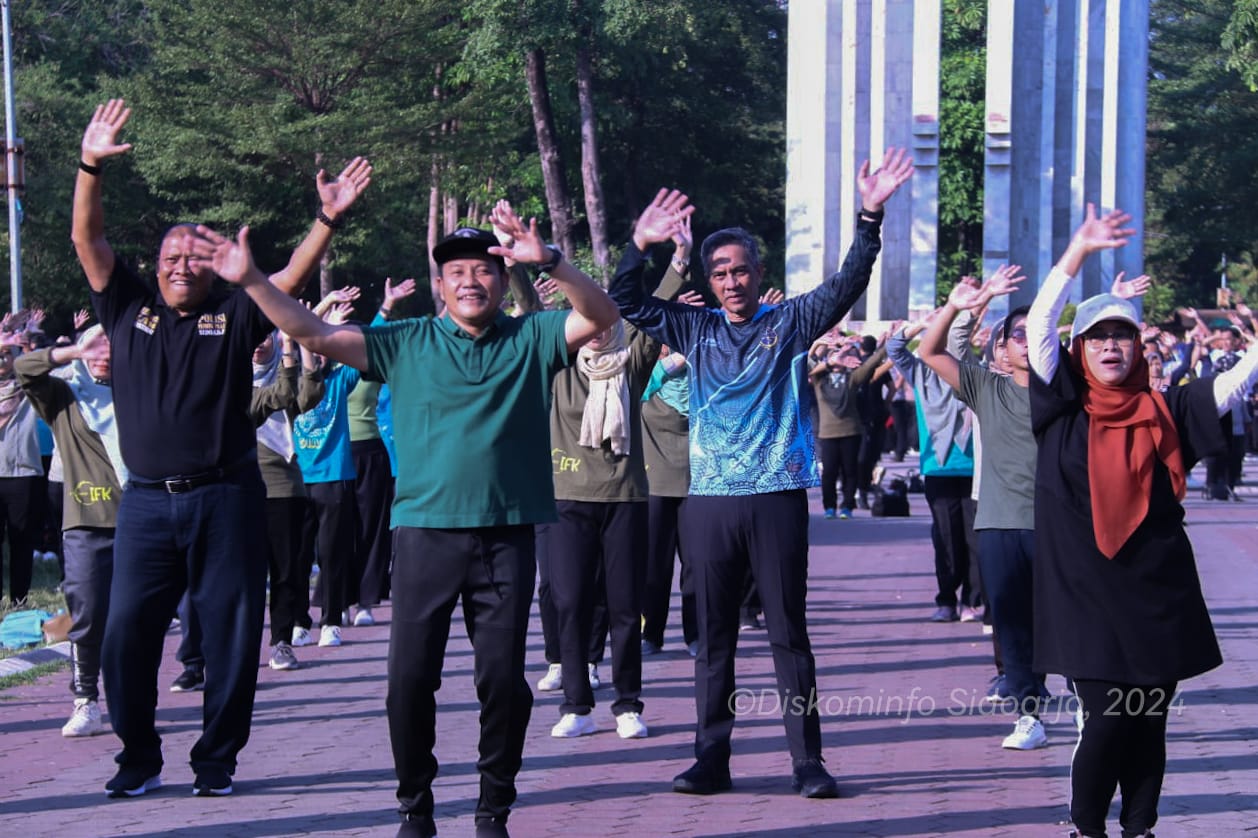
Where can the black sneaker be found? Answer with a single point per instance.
(492, 827)
(704, 777)
(812, 780)
(212, 782)
(189, 680)
(416, 826)
(133, 781)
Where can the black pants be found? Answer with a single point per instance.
(904, 420)
(1006, 556)
(373, 491)
(722, 536)
(546, 606)
(586, 536)
(205, 540)
(1122, 745)
(21, 516)
(840, 460)
(492, 569)
(663, 548)
(306, 556)
(956, 544)
(89, 560)
(870, 451)
(334, 545)
(284, 520)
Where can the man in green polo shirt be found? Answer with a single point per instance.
(471, 390)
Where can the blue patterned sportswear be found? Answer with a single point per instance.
(750, 403)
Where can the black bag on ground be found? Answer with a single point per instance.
(891, 501)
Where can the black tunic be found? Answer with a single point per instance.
(1139, 618)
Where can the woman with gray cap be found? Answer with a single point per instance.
(1118, 604)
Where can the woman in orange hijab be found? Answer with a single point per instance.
(1118, 604)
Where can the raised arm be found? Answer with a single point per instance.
(233, 261)
(933, 349)
(335, 199)
(87, 231)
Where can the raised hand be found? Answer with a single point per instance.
(683, 238)
(232, 260)
(772, 297)
(81, 318)
(1105, 232)
(1004, 280)
(691, 298)
(36, 319)
(344, 295)
(660, 219)
(526, 245)
(338, 313)
(339, 195)
(875, 189)
(1127, 289)
(546, 289)
(393, 293)
(100, 139)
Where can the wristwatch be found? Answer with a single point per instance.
(556, 256)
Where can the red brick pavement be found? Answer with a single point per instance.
(915, 751)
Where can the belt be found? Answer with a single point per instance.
(188, 482)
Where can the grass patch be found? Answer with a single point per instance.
(30, 676)
(44, 596)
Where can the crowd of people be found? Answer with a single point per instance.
(612, 435)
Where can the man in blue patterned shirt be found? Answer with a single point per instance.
(751, 460)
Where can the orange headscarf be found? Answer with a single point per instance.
(1128, 425)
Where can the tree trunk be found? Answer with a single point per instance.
(434, 218)
(591, 174)
(548, 150)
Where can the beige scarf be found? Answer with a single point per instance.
(606, 414)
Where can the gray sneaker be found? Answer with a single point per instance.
(282, 657)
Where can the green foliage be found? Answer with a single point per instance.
(1240, 40)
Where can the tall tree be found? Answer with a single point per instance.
(548, 149)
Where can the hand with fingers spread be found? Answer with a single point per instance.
(683, 238)
(1096, 233)
(339, 195)
(691, 298)
(1003, 281)
(338, 313)
(1127, 289)
(81, 319)
(526, 243)
(395, 293)
(772, 297)
(36, 320)
(875, 189)
(661, 218)
(231, 260)
(546, 288)
(100, 139)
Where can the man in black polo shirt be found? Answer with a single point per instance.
(194, 506)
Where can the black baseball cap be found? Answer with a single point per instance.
(464, 242)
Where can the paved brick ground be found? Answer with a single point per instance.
(915, 751)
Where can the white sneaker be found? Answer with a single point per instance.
(1028, 734)
(85, 721)
(629, 726)
(595, 681)
(330, 636)
(301, 636)
(345, 620)
(572, 726)
(364, 618)
(552, 680)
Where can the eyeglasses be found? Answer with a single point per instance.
(1018, 336)
(1121, 337)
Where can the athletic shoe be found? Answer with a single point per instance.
(415, 826)
(810, 779)
(751, 622)
(190, 679)
(1028, 734)
(987, 629)
(282, 657)
(629, 726)
(364, 618)
(330, 636)
(704, 777)
(84, 721)
(572, 725)
(595, 681)
(845, 514)
(693, 648)
(970, 615)
(492, 827)
(944, 614)
(345, 620)
(552, 680)
(998, 690)
(133, 781)
(301, 636)
(649, 648)
(212, 782)
(829, 515)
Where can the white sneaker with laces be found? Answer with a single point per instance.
(595, 681)
(330, 636)
(629, 726)
(364, 617)
(572, 725)
(1028, 734)
(85, 721)
(552, 680)
(301, 636)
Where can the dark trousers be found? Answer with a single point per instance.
(1006, 557)
(1223, 471)
(721, 537)
(334, 544)
(205, 540)
(306, 557)
(956, 544)
(1123, 746)
(870, 452)
(586, 536)
(21, 517)
(550, 617)
(373, 491)
(492, 569)
(284, 520)
(189, 651)
(89, 560)
(840, 461)
(663, 551)
(904, 420)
